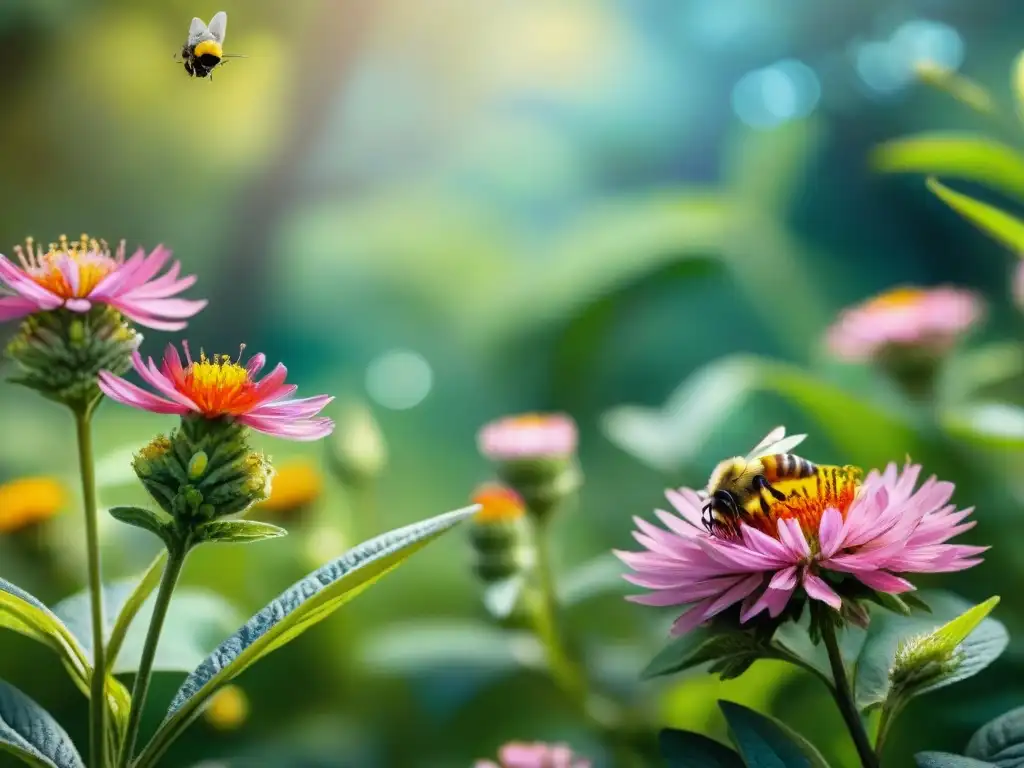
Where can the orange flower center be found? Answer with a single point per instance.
(529, 420)
(219, 386)
(807, 499)
(499, 504)
(897, 298)
(90, 258)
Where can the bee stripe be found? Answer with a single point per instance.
(806, 468)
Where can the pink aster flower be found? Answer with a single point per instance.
(219, 386)
(77, 275)
(872, 532)
(536, 755)
(529, 436)
(931, 319)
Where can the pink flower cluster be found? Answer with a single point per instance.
(528, 436)
(536, 755)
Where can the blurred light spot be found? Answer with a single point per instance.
(752, 24)
(888, 66)
(399, 379)
(784, 91)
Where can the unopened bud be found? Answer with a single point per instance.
(499, 535)
(197, 465)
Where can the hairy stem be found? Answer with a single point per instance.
(97, 693)
(844, 696)
(175, 562)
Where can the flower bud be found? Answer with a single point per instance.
(499, 535)
(535, 455)
(357, 452)
(203, 471)
(60, 353)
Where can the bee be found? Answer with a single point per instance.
(747, 486)
(203, 51)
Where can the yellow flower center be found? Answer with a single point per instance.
(228, 709)
(897, 298)
(807, 499)
(498, 504)
(28, 501)
(217, 385)
(296, 485)
(91, 259)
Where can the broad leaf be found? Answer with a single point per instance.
(156, 522)
(968, 157)
(947, 760)
(764, 741)
(730, 653)
(1001, 741)
(306, 603)
(30, 733)
(1004, 227)
(197, 620)
(684, 749)
(238, 531)
(873, 683)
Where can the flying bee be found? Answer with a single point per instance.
(203, 51)
(746, 486)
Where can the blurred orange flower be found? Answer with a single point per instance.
(29, 501)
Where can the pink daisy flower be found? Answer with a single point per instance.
(872, 532)
(931, 319)
(77, 275)
(528, 436)
(218, 386)
(536, 755)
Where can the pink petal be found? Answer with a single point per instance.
(14, 307)
(830, 531)
(127, 393)
(294, 409)
(784, 579)
(883, 582)
(817, 589)
(23, 285)
(304, 431)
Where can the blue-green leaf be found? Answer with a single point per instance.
(306, 603)
(1001, 741)
(30, 733)
(947, 760)
(764, 742)
(684, 749)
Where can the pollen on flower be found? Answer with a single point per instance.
(218, 385)
(28, 501)
(807, 499)
(49, 269)
(904, 296)
(498, 504)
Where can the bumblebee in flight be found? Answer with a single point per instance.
(203, 51)
(744, 487)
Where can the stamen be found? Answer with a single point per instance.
(188, 354)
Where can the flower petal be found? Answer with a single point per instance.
(817, 589)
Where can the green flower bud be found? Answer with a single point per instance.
(357, 452)
(60, 353)
(499, 535)
(197, 465)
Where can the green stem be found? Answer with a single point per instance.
(175, 562)
(844, 696)
(885, 721)
(97, 693)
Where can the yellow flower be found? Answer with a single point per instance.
(228, 709)
(29, 501)
(296, 485)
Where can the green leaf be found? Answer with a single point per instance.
(946, 760)
(238, 531)
(766, 743)
(1001, 741)
(502, 597)
(599, 576)
(975, 370)
(197, 620)
(731, 652)
(30, 733)
(979, 648)
(306, 603)
(406, 648)
(132, 604)
(156, 522)
(990, 425)
(684, 749)
(959, 156)
(1004, 227)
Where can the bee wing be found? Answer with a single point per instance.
(219, 26)
(197, 31)
(776, 442)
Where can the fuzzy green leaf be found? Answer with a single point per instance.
(306, 603)
(1001, 741)
(684, 749)
(767, 743)
(156, 522)
(238, 531)
(1004, 227)
(968, 157)
(947, 760)
(29, 732)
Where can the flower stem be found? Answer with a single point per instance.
(885, 721)
(97, 693)
(175, 562)
(844, 696)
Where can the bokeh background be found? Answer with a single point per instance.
(451, 210)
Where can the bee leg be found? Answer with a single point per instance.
(766, 493)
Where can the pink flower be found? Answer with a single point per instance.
(872, 532)
(931, 319)
(218, 386)
(536, 755)
(1018, 284)
(77, 275)
(529, 436)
